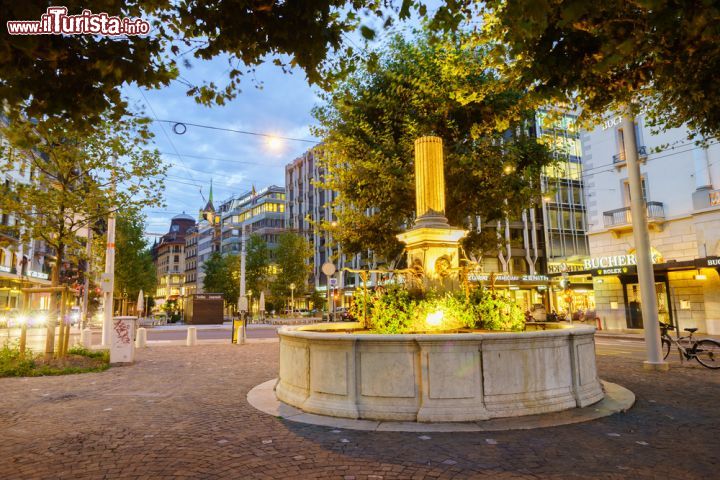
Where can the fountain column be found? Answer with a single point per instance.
(432, 244)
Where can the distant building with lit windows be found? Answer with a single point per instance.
(260, 212)
(169, 257)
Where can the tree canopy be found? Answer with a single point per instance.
(222, 275)
(134, 268)
(82, 75)
(292, 254)
(257, 263)
(660, 57)
(371, 120)
(72, 176)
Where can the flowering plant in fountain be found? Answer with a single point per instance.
(396, 309)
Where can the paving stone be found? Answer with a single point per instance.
(172, 409)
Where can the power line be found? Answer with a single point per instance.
(180, 127)
(152, 110)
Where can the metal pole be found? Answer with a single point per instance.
(88, 251)
(109, 273)
(242, 300)
(646, 275)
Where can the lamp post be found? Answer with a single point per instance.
(646, 274)
(292, 299)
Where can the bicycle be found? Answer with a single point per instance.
(705, 350)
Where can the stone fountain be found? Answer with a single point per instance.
(435, 377)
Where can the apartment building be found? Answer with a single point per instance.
(681, 189)
(22, 263)
(169, 257)
(258, 212)
(309, 204)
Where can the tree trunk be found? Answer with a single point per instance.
(52, 317)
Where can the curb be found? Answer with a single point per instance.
(617, 399)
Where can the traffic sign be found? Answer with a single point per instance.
(328, 268)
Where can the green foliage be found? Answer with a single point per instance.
(371, 121)
(81, 75)
(659, 57)
(13, 365)
(292, 256)
(72, 184)
(134, 267)
(222, 275)
(257, 263)
(395, 310)
(84, 352)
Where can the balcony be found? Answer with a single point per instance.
(619, 158)
(620, 220)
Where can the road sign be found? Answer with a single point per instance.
(328, 268)
(333, 282)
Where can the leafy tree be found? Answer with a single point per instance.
(291, 255)
(73, 178)
(257, 263)
(134, 268)
(369, 125)
(660, 57)
(82, 75)
(222, 276)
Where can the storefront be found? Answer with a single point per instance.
(11, 296)
(687, 293)
(527, 291)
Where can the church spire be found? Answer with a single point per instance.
(210, 198)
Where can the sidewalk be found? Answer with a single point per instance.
(639, 337)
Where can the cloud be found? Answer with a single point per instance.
(233, 161)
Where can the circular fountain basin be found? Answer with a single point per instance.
(436, 377)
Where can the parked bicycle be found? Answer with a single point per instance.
(705, 350)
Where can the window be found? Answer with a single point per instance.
(626, 189)
(579, 220)
(176, 259)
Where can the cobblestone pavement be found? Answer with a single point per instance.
(181, 413)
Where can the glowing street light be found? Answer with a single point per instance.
(274, 144)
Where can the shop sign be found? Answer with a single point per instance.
(615, 271)
(484, 277)
(561, 267)
(40, 275)
(708, 262)
(5, 269)
(611, 122)
(612, 261)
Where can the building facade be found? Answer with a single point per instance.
(564, 216)
(201, 242)
(308, 205)
(22, 263)
(258, 212)
(680, 182)
(169, 256)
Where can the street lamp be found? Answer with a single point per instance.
(292, 298)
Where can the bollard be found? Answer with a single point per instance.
(191, 336)
(141, 338)
(86, 338)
